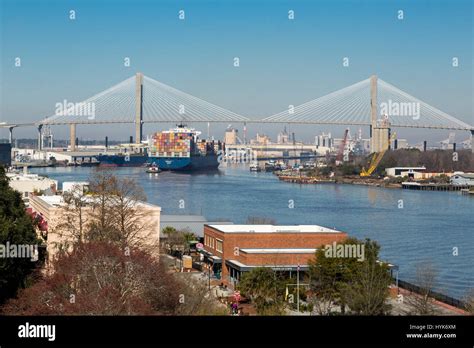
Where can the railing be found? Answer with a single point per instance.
(436, 295)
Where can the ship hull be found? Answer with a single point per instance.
(122, 161)
(192, 163)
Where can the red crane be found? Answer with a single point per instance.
(342, 146)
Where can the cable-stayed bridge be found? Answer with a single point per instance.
(141, 99)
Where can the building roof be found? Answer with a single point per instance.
(465, 175)
(419, 168)
(279, 251)
(58, 200)
(55, 200)
(29, 177)
(273, 229)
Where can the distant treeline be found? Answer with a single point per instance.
(433, 160)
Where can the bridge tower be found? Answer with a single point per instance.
(40, 137)
(10, 135)
(379, 129)
(138, 108)
(472, 140)
(72, 136)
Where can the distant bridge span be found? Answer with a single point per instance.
(140, 99)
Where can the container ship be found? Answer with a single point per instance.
(122, 159)
(180, 149)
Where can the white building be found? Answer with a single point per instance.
(401, 144)
(231, 136)
(403, 171)
(283, 137)
(462, 179)
(27, 184)
(324, 140)
(73, 186)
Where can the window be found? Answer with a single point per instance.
(219, 245)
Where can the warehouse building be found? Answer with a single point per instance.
(462, 179)
(404, 171)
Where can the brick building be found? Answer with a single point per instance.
(233, 249)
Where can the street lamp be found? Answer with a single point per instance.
(298, 287)
(209, 274)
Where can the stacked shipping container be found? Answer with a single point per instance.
(172, 144)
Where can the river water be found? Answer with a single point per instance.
(412, 227)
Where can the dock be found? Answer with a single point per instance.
(432, 186)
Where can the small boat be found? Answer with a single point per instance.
(254, 167)
(153, 169)
(270, 166)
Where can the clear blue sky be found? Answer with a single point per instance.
(282, 62)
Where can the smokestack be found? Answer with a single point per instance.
(131, 139)
(77, 141)
(424, 146)
(106, 142)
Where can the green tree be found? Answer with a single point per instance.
(366, 290)
(264, 289)
(16, 227)
(361, 284)
(328, 275)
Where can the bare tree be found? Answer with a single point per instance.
(422, 303)
(195, 299)
(469, 301)
(113, 211)
(130, 227)
(103, 185)
(98, 278)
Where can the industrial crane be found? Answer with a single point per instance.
(376, 159)
(342, 146)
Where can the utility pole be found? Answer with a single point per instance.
(298, 288)
(209, 275)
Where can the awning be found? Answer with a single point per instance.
(244, 268)
(209, 256)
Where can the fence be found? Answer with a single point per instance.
(436, 295)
